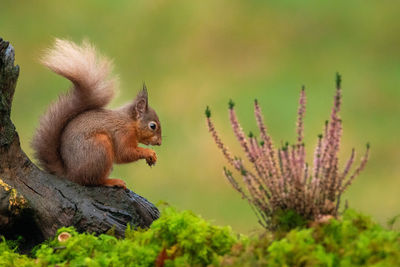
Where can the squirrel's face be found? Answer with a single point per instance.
(149, 127)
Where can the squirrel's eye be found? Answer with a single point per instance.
(152, 125)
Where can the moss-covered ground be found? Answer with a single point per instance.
(185, 239)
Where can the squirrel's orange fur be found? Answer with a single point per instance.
(77, 137)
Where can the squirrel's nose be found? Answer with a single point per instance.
(156, 141)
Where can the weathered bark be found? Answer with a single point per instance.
(34, 204)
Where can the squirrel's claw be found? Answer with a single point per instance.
(151, 159)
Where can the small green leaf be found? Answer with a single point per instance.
(338, 80)
(231, 104)
(208, 112)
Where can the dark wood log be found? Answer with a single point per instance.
(34, 204)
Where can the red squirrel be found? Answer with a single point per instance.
(78, 138)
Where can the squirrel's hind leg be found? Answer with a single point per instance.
(104, 141)
(89, 160)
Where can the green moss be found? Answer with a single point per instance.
(285, 220)
(357, 240)
(184, 239)
(354, 240)
(9, 256)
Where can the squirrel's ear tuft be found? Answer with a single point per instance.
(140, 103)
(144, 90)
(143, 93)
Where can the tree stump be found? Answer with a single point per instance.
(34, 204)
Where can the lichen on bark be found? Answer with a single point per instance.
(16, 201)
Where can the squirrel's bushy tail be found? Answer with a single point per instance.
(92, 89)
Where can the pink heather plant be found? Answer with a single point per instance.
(281, 180)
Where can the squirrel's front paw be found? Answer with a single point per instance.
(151, 158)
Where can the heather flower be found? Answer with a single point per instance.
(281, 179)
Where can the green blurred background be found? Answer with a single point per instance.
(197, 53)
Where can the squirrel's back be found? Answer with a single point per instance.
(92, 89)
